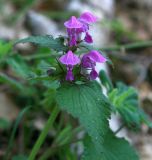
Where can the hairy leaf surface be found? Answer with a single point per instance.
(87, 103)
(113, 149)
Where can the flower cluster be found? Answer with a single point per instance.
(75, 28)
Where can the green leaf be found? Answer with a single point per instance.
(87, 103)
(4, 48)
(125, 100)
(46, 41)
(113, 149)
(19, 66)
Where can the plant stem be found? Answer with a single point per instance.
(44, 133)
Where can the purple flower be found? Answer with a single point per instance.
(69, 59)
(88, 18)
(96, 56)
(75, 27)
(73, 23)
(89, 61)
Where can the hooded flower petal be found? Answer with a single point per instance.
(88, 18)
(73, 23)
(69, 59)
(96, 56)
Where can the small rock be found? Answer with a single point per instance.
(41, 25)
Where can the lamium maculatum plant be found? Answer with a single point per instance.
(73, 67)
